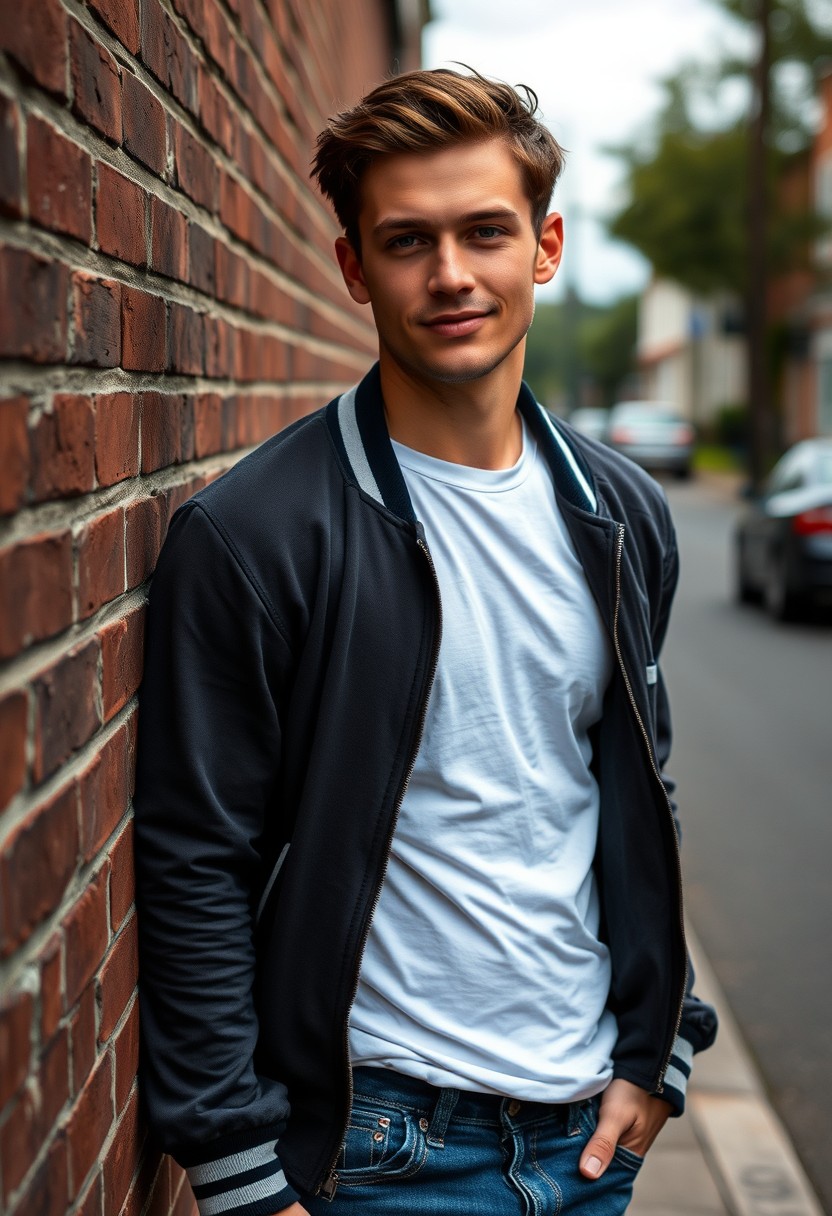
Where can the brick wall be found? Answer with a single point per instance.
(168, 299)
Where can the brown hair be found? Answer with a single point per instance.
(426, 110)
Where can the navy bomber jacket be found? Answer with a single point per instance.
(292, 637)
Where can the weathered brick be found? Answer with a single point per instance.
(117, 981)
(186, 340)
(35, 590)
(220, 348)
(122, 656)
(116, 437)
(143, 331)
(59, 181)
(35, 328)
(67, 711)
(147, 521)
(96, 339)
(208, 424)
(167, 55)
(90, 1122)
(14, 716)
(47, 1194)
(123, 1156)
(120, 216)
(51, 987)
(149, 1187)
(202, 274)
(91, 1200)
(16, 1013)
(161, 438)
(169, 245)
(83, 1038)
(14, 452)
(101, 571)
(144, 127)
(232, 277)
(86, 936)
(184, 1203)
(36, 864)
(35, 35)
(194, 166)
(10, 198)
(126, 1051)
(63, 448)
(215, 112)
(186, 429)
(32, 1116)
(122, 881)
(105, 787)
(96, 87)
(122, 17)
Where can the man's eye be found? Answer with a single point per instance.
(488, 231)
(404, 242)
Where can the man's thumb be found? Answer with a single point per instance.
(598, 1153)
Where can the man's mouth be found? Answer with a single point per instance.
(456, 324)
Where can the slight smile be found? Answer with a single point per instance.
(457, 324)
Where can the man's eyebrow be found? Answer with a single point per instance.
(397, 223)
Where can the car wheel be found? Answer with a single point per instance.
(745, 591)
(781, 603)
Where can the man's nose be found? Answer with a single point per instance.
(450, 273)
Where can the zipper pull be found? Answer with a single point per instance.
(330, 1187)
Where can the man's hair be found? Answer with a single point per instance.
(424, 111)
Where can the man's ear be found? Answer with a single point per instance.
(350, 264)
(549, 248)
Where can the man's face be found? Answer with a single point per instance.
(449, 259)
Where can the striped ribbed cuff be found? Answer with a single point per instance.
(250, 1182)
(678, 1072)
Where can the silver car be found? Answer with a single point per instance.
(653, 435)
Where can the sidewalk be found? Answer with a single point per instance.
(729, 1155)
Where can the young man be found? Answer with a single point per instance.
(410, 905)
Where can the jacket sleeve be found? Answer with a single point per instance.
(698, 1026)
(207, 781)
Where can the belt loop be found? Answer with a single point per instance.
(441, 1116)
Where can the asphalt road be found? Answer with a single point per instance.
(752, 709)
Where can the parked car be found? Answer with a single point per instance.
(653, 435)
(783, 542)
(592, 422)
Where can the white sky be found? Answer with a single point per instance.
(595, 65)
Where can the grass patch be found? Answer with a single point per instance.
(712, 458)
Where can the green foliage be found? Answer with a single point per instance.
(573, 347)
(607, 343)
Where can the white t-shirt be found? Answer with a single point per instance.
(483, 969)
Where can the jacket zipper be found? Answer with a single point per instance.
(619, 552)
(330, 1183)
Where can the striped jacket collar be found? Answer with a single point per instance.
(357, 424)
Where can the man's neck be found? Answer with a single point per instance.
(474, 423)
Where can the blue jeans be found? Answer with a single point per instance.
(414, 1149)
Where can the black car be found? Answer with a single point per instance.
(783, 549)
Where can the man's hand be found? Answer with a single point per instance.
(629, 1116)
(296, 1209)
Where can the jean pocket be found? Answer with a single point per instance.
(627, 1158)
(382, 1142)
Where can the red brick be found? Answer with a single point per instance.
(35, 591)
(16, 1014)
(220, 348)
(169, 246)
(117, 982)
(126, 1052)
(51, 987)
(96, 338)
(36, 865)
(167, 55)
(215, 112)
(105, 793)
(143, 331)
(122, 17)
(147, 521)
(47, 1194)
(83, 1038)
(122, 882)
(116, 437)
(144, 127)
(91, 1202)
(122, 657)
(86, 936)
(35, 35)
(33, 1115)
(208, 424)
(63, 449)
(35, 328)
(186, 340)
(67, 712)
(10, 198)
(151, 1180)
(122, 1159)
(184, 1203)
(232, 276)
(101, 571)
(194, 167)
(202, 274)
(59, 181)
(90, 1122)
(161, 438)
(14, 715)
(96, 87)
(120, 216)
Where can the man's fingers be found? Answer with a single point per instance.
(598, 1153)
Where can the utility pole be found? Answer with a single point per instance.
(759, 387)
